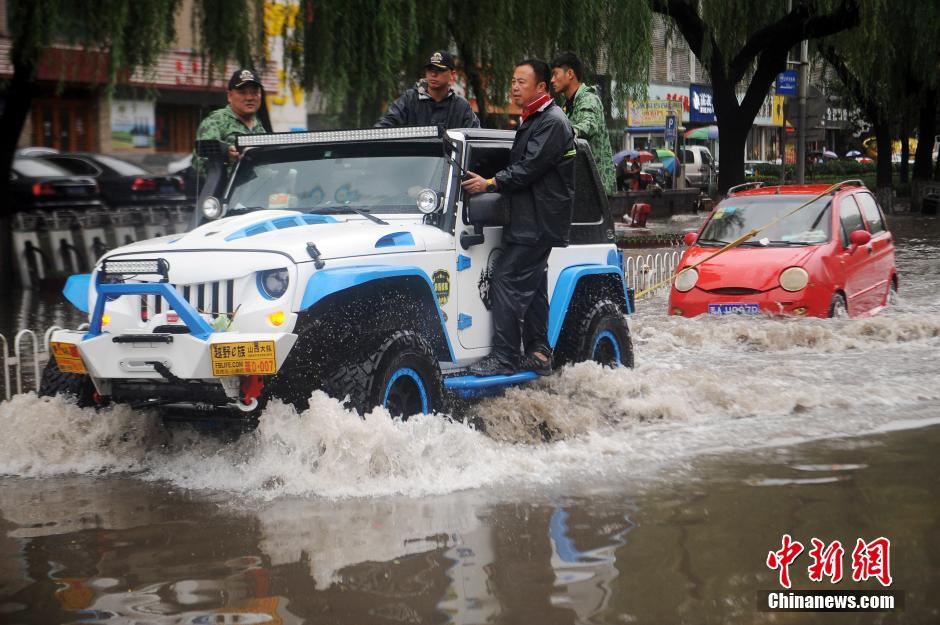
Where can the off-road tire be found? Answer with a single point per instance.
(75, 385)
(368, 379)
(597, 332)
(838, 309)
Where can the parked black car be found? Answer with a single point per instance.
(122, 183)
(37, 184)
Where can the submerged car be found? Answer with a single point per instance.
(832, 257)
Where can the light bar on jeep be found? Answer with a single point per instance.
(338, 136)
(157, 266)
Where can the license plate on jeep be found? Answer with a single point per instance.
(733, 309)
(67, 357)
(245, 358)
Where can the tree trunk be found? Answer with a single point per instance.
(883, 168)
(926, 130)
(903, 176)
(19, 98)
(733, 133)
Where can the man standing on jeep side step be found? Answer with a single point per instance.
(586, 113)
(540, 184)
(432, 101)
(240, 117)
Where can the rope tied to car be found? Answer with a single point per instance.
(741, 239)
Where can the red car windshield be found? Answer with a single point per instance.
(736, 216)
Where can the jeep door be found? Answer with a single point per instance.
(475, 264)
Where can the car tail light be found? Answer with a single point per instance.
(43, 189)
(144, 184)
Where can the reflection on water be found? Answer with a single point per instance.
(656, 552)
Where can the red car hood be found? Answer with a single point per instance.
(746, 267)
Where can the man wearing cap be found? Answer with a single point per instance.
(238, 118)
(432, 101)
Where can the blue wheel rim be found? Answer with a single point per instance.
(606, 340)
(399, 381)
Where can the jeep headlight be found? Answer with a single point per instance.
(686, 280)
(212, 208)
(273, 283)
(794, 278)
(428, 201)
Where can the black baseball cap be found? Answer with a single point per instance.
(243, 77)
(442, 59)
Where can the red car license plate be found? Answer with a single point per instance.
(733, 309)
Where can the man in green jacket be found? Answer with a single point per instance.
(240, 117)
(586, 113)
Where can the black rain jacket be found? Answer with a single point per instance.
(416, 108)
(540, 180)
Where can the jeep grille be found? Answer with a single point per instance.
(214, 298)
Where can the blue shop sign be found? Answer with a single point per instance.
(701, 104)
(786, 83)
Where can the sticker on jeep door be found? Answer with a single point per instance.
(441, 281)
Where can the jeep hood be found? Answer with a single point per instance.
(336, 236)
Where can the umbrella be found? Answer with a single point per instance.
(852, 153)
(632, 155)
(703, 133)
(829, 154)
(628, 154)
(668, 159)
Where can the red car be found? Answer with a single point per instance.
(834, 257)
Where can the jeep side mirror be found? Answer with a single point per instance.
(690, 238)
(858, 238)
(488, 209)
(484, 209)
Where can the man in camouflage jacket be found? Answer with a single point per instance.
(586, 113)
(238, 118)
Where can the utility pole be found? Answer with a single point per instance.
(803, 87)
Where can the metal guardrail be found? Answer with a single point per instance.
(643, 271)
(27, 351)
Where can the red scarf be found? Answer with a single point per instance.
(533, 106)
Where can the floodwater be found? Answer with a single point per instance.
(656, 500)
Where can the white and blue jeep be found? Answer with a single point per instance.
(346, 261)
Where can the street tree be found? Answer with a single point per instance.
(361, 53)
(124, 35)
(743, 45)
(891, 70)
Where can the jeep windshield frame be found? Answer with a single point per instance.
(330, 178)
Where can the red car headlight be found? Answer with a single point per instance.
(686, 280)
(793, 279)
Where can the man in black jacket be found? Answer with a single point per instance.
(540, 183)
(432, 102)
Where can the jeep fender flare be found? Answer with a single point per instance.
(327, 282)
(565, 286)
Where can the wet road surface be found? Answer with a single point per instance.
(657, 500)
